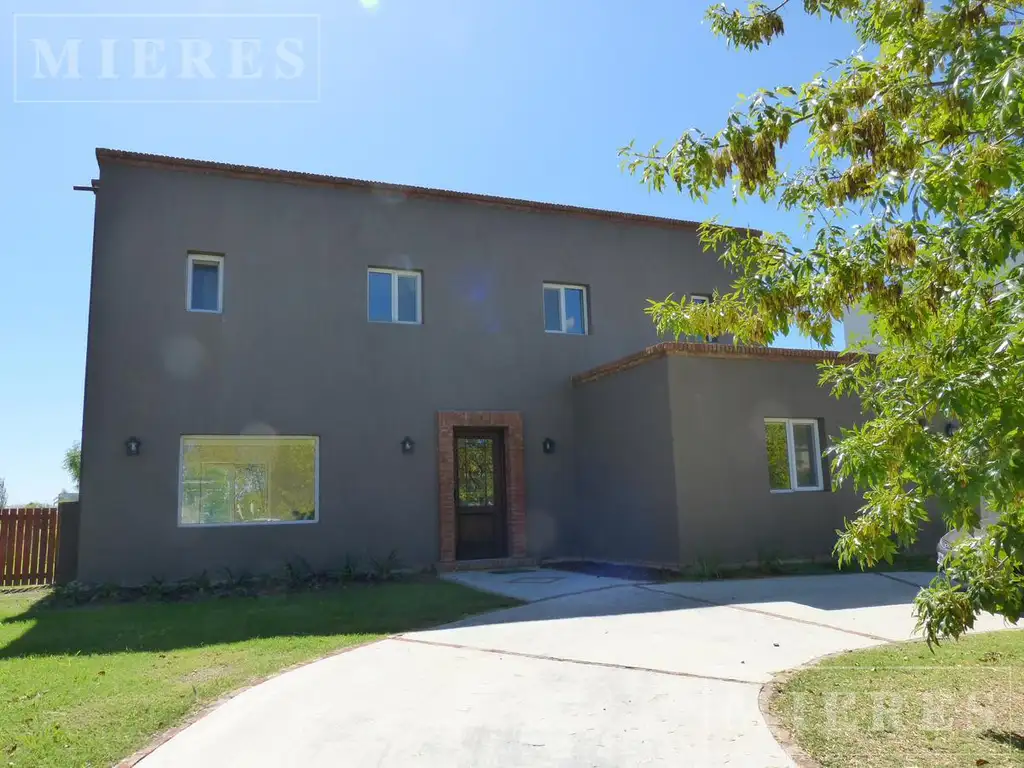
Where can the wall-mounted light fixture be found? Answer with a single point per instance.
(950, 428)
(408, 445)
(548, 445)
(132, 446)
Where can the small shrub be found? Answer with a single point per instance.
(771, 563)
(107, 591)
(74, 592)
(350, 570)
(154, 587)
(709, 570)
(241, 584)
(384, 570)
(298, 573)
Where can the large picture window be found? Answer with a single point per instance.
(794, 455)
(228, 480)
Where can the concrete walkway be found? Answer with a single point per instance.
(533, 584)
(591, 673)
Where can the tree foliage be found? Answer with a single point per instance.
(3, 493)
(73, 462)
(911, 199)
(778, 455)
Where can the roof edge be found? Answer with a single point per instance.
(697, 349)
(253, 172)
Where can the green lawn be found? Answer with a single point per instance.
(901, 705)
(89, 686)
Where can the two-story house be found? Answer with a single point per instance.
(285, 365)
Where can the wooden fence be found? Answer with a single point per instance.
(29, 541)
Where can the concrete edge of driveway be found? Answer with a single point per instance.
(778, 730)
(160, 739)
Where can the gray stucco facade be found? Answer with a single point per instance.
(693, 484)
(726, 511)
(672, 466)
(625, 472)
(292, 353)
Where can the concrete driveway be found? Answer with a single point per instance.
(594, 672)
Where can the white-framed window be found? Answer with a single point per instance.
(565, 308)
(794, 455)
(248, 480)
(205, 281)
(394, 296)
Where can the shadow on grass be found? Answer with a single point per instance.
(49, 627)
(46, 628)
(1010, 739)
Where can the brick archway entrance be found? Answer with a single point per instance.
(511, 422)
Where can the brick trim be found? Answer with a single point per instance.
(512, 423)
(696, 349)
(145, 160)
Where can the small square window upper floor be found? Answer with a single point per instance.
(565, 309)
(394, 296)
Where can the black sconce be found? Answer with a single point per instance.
(408, 445)
(950, 428)
(549, 445)
(132, 446)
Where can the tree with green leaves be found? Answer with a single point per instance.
(910, 194)
(73, 462)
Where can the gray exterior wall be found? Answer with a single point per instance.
(625, 474)
(293, 354)
(673, 466)
(727, 514)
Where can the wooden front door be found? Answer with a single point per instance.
(480, 521)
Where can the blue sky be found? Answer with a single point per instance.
(523, 98)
